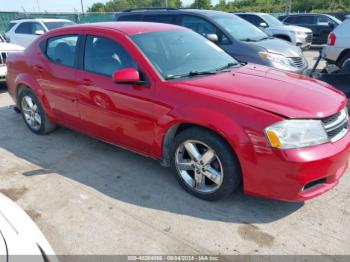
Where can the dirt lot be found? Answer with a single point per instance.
(89, 197)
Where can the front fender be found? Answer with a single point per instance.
(219, 122)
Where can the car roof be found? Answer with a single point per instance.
(128, 28)
(309, 14)
(44, 20)
(171, 11)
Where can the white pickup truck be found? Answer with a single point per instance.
(5, 49)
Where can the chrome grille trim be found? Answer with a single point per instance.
(3, 57)
(309, 37)
(337, 125)
(297, 61)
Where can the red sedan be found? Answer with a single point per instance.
(168, 93)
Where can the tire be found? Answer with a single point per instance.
(343, 59)
(224, 163)
(32, 111)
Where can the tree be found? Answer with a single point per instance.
(97, 7)
(201, 4)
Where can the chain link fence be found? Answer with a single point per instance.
(6, 17)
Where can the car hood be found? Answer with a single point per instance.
(293, 28)
(8, 47)
(281, 47)
(280, 92)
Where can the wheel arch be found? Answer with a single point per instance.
(24, 81)
(175, 129)
(342, 54)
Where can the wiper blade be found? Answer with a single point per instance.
(227, 66)
(248, 40)
(190, 74)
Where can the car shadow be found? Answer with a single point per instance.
(126, 176)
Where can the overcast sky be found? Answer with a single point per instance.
(53, 5)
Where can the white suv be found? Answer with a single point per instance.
(337, 50)
(5, 49)
(24, 31)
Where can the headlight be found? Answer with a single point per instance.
(299, 33)
(276, 59)
(296, 134)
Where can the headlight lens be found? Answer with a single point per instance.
(276, 59)
(296, 134)
(299, 33)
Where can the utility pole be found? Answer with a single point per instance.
(37, 2)
(166, 3)
(288, 6)
(82, 6)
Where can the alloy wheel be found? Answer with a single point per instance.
(199, 166)
(31, 113)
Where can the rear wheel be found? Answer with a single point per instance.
(205, 165)
(345, 59)
(33, 113)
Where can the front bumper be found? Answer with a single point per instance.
(296, 174)
(304, 41)
(3, 72)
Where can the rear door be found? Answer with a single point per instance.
(56, 73)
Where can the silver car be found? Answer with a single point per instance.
(337, 50)
(300, 36)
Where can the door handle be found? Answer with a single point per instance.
(86, 82)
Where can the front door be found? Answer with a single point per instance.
(121, 114)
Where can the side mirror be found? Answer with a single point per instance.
(127, 76)
(212, 37)
(263, 25)
(39, 32)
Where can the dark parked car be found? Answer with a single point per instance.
(320, 24)
(236, 36)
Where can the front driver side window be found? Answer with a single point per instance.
(204, 28)
(105, 56)
(62, 49)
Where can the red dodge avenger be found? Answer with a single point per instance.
(168, 93)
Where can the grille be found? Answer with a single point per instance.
(3, 57)
(297, 61)
(309, 37)
(336, 125)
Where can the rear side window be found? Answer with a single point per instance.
(105, 56)
(166, 19)
(29, 28)
(323, 20)
(307, 20)
(129, 18)
(292, 20)
(9, 27)
(62, 49)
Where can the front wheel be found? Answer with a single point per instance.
(205, 165)
(33, 113)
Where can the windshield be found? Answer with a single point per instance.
(271, 20)
(181, 52)
(239, 28)
(54, 25)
